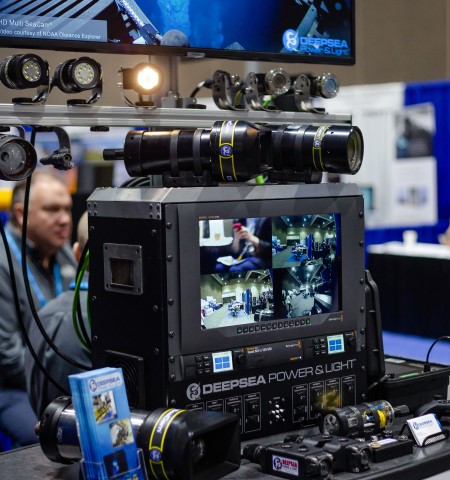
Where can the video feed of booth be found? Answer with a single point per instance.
(259, 269)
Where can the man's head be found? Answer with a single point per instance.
(82, 236)
(49, 211)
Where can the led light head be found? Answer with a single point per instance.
(24, 71)
(144, 78)
(148, 79)
(77, 75)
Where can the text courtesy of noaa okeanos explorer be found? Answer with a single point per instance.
(53, 28)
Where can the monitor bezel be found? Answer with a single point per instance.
(194, 339)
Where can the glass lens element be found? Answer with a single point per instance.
(148, 78)
(31, 70)
(13, 158)
(84, 73)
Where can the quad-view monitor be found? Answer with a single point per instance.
(269, 268)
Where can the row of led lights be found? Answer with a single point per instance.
(18, 157)
(75, 75)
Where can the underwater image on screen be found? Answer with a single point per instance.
(298, 27)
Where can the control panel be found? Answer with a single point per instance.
(274, 387)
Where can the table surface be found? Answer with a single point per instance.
(426, 250)
(413, 288)
(29, 463)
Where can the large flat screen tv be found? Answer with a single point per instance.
(310, 31)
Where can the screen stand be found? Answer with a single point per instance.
(169, 96)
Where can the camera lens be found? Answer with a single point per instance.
(325, 468)
(325, 148)
(365, 458)
(14, 155)
(198, 450)
(325, 85)
(277, 81)
(355, 150)
(17, 158)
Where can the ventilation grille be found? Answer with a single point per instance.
(133, 374)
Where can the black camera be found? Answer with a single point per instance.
(360, 421)
(236, 151)
(290, 460)
(349, 455)
(191, 445)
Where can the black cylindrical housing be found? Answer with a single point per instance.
(230, 150)
(149, 153)
(358, 421)
(70, 80)
(236, 151)
(176, 444)
(188, 445)
(323, 148)
(57, 430)
(24, 71)
(325, 85)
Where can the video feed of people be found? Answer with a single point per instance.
(259, 269)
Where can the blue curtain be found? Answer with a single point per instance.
(438, 93)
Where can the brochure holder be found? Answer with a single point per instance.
(90, 470)
(107, 441)
(429, 440)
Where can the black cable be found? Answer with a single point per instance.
(20, 320)
(204, 84)
(81, 322)
(427, 366)
(143, 182)
(28, 289)
(133, 182)
(378, 382)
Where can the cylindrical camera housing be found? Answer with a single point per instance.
(236, 151)
(17, 158)
(231, 150)
(324, 148)
(176, 444)
(363, 420)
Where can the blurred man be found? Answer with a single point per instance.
(51, 268)
(56, 317)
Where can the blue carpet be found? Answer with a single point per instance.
(416, 348)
